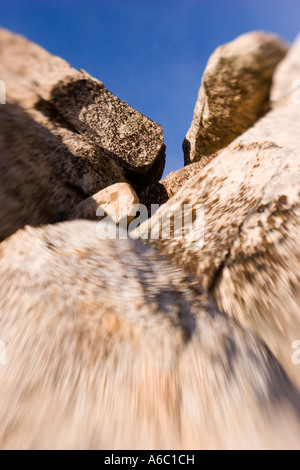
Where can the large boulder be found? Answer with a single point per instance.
(234, 92)
(64, 137)
(286, 80)
(111, 347)
(247, 251)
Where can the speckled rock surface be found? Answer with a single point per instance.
(118, 201)
(162, 191)
(112, 344)
(111, 347)
(64, 137)
(42, 178)
(234, 92)
(247, 251)
(36, 79)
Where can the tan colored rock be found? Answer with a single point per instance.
(63, 138)
(234, 92)
(162, 191)
(286, 80)
(250, 255)
(37, 80)
(118, 201)
(41, 179)
(247, 249)
(111, 347)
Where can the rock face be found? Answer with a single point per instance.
(117, 201)
(162, 191)
(234, 92)
(112, 344)
(249, 258)
(286, 77)
(127, 352)
(64, 137)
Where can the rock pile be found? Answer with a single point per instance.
(180, 341)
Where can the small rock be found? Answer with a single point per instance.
(116, 201)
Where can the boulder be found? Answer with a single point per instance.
(118, 201)
(246, 250)
(160, 192)
(234, 92)
(286, 80)
(111, 347)
(64, 137)
(37, 80)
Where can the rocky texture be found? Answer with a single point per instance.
(41, 179)
(160, 192)
(286, 78)
(248, 185)
(110, 345)
(116, 201)
(64, 137)
(36, 79)
(127, 353)
(234, 92)
(229, 188)
(250, 256)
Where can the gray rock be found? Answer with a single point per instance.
(234, 92)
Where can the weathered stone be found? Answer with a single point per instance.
(117, 201)
(286, 80)
(37, 80)
(111, 347)
(162, 191)
(52, 151)
(250, 256)
(247, 251)
(234, 92)
(41, 179)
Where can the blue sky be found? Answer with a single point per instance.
(150, 53)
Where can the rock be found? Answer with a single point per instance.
(160, 192)
(229, 188)
(247, 251)
(259, 283)
(111, 347)
(64, 137)
(116, 201)
(234, 92)
(286, 80)
(41, 179)
(36, 79)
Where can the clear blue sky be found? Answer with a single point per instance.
(150, 53)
